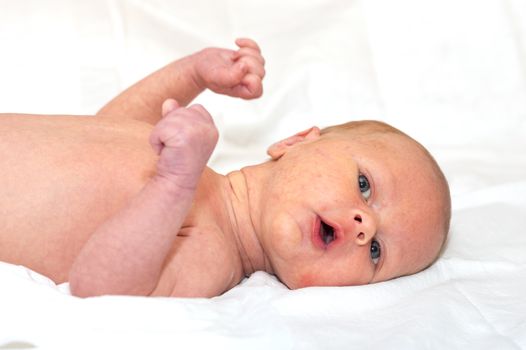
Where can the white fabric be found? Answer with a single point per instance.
(451, 73)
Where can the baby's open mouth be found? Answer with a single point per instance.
(326, 233)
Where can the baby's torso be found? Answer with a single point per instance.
(62, 176)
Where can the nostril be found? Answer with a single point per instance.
(358, 218)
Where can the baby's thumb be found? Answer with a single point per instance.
(168, 106)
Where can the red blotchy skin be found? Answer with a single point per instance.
(307, 280)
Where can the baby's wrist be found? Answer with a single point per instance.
(173, 185)
(184, 71)
(194, 75)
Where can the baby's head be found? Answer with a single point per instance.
(352, 204)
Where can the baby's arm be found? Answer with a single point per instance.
(234, 73)
(126, 253)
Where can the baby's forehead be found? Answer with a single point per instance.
(373, 142)
(380, 143)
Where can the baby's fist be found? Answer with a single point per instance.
(184, 140)
(233, 73)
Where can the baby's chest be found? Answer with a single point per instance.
(201, 263)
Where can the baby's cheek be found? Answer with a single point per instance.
(334, 278)
(307, 280)
(285, 238)
(315, 280)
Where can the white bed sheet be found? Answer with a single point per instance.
(451, 73)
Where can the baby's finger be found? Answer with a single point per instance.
(246, 51)
(234, 75)
(253, 66)
(250, 88)
(245, 42)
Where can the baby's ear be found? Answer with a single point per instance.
(278, 149)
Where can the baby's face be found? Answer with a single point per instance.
(343, 211)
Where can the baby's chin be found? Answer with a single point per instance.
(307, 279)
(297, 282)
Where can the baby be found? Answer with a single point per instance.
(123, 203)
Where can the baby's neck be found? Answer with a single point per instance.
(240, 204)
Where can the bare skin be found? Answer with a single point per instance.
(123, 203)
(68, 178)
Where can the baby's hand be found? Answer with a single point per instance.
(233, 73)
(184, 139)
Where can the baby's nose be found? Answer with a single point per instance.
(363, 226)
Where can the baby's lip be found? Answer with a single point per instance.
(317, 241)
(316, 238)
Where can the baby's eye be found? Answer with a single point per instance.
(375, 251)
(365, 188)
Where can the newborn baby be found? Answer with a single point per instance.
(123, 203)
